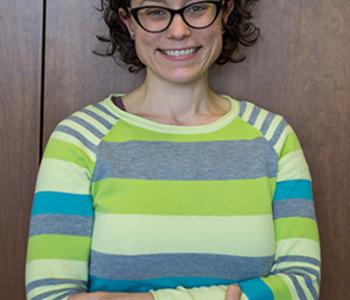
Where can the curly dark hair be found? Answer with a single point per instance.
(238, 30)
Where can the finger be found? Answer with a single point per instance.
(233, 292)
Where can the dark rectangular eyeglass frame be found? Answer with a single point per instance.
(173, 12)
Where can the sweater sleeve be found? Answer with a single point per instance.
(295, 273)
(61, 221)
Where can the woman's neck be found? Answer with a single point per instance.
(178, 104)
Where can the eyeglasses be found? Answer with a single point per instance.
(196, 15)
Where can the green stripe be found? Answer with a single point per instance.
(287, 228)
(291, 144)
(66, 151)
(279, 287)
(220, 198)
(236, 130)
(59, 247)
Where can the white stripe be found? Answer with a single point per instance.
(44, 289)
(95, 123)
(281, 140)
(293, 166)
(127, 234)
(273, 126)
(248, 111)
(261, 118)
(56, 268)
(102, 114)
(298, 246)
(82, 130)
(290, 285)
(62, 176)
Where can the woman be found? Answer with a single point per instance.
(173, 191)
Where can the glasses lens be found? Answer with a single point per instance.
(197, 15)
(200, 14)
(154, 18)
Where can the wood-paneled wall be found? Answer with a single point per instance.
(300, 68)
(20, 121)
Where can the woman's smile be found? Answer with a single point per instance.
(184, 54)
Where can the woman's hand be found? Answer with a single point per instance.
(87, 296)
(127, 296)
(112, 296)
(233, 292)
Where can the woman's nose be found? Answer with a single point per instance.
(178, 29)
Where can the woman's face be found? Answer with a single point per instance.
(152, 48)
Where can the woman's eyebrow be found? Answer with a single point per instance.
(143, 1)
(162, 1)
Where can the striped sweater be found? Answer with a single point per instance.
(123, 203)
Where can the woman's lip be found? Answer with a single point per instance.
(180, 57)
(179, 49)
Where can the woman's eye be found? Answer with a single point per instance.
(155, 12)
(197, 8)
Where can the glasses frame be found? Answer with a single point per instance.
(173, 12)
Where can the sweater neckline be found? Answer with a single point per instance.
(167, 128)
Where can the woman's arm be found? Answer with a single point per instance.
(112, 296)
(61, 221)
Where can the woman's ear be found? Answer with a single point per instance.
(125, 17)
(229, 7)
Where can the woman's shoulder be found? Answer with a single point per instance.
(270, 125)
(88, 125)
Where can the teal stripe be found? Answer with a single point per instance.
(293, 189)
(98, 284)
(62, 203)
(256, 289)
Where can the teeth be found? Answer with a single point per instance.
(179, 52)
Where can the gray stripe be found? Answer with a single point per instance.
(137, 267)
(60, 224)
(70, 293)
(79, 136)
(55, 281)
(267, 122)
(94, 115)
(278, 131)
(311, 287)
(254, 115)
(87, 126)
(219, 160)
(297, 286)
(298, 258)
(242, 107)
(297, 271)
(105, 110)
(293, 208)
(53, 293)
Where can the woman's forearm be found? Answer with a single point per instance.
(111, 296)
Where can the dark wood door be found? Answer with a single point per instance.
(21, 29)
(300, 68)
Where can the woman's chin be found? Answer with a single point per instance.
(182, 76)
